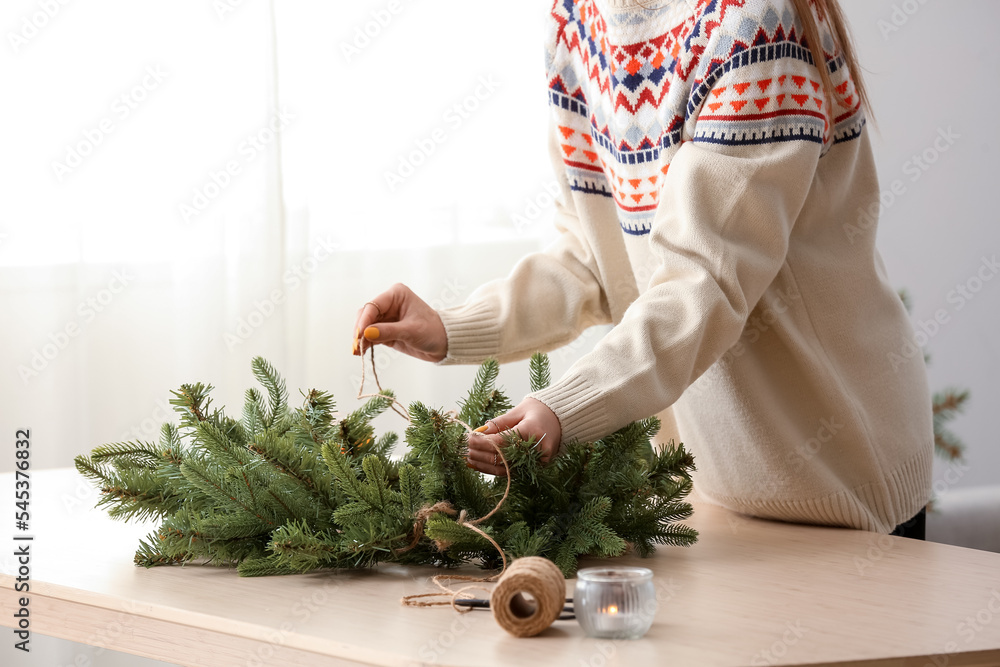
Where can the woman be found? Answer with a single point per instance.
(715, 207)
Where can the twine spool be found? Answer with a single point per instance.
(514, 611)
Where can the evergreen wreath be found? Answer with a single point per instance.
(284, 491)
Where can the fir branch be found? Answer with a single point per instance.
(947, 405)
(191, 402)
(411, 494)
(474, 406)
(150, 554)
(344, 477)
(127, 454)
(280, 492)
(383, 446)
(254, 421)
(496, 404)
(230, 526)
(303, 465)
(218, 444)
(539, 370)
(316, 421)
(449, 535)
(904, 296)
(171, 447)
(676, 535)
(203, 476)
(276, 390)
(265, 567)
(950, 402)
(91, 470)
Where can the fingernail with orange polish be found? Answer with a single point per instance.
(469, 465)
(483, 428)
(371, 333)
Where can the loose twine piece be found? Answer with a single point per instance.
(444, 506)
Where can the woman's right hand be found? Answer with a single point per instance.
(403, 321)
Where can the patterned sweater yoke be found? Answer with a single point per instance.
(636, 88)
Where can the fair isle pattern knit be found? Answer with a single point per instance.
(629, 85)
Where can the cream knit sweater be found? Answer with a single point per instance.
(716, 216)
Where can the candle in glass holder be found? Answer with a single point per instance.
(615, 602)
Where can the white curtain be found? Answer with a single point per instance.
(189, 185)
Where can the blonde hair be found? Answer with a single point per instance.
(844, 41)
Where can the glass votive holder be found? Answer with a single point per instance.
(615, 602)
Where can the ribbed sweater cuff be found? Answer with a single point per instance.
(473, 332)
(577, 403)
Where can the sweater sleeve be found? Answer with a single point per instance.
(719, 237)
(547, 300)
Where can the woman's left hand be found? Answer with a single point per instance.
(530, 419)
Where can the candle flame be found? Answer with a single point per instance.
(613, 609)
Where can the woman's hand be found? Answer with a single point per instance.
(531, 419)
(403, 321)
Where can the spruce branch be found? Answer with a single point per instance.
(541, 375)
(948, 405)
(282, 491)
(480, 404)
(276, 391)
(128, 454)
(191, 402)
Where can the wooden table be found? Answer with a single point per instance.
(748, 593)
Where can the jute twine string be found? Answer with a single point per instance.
(538, 577)
(425, 513)
(397, 406)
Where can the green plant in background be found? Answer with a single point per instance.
(283, 491)
(946, 406)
